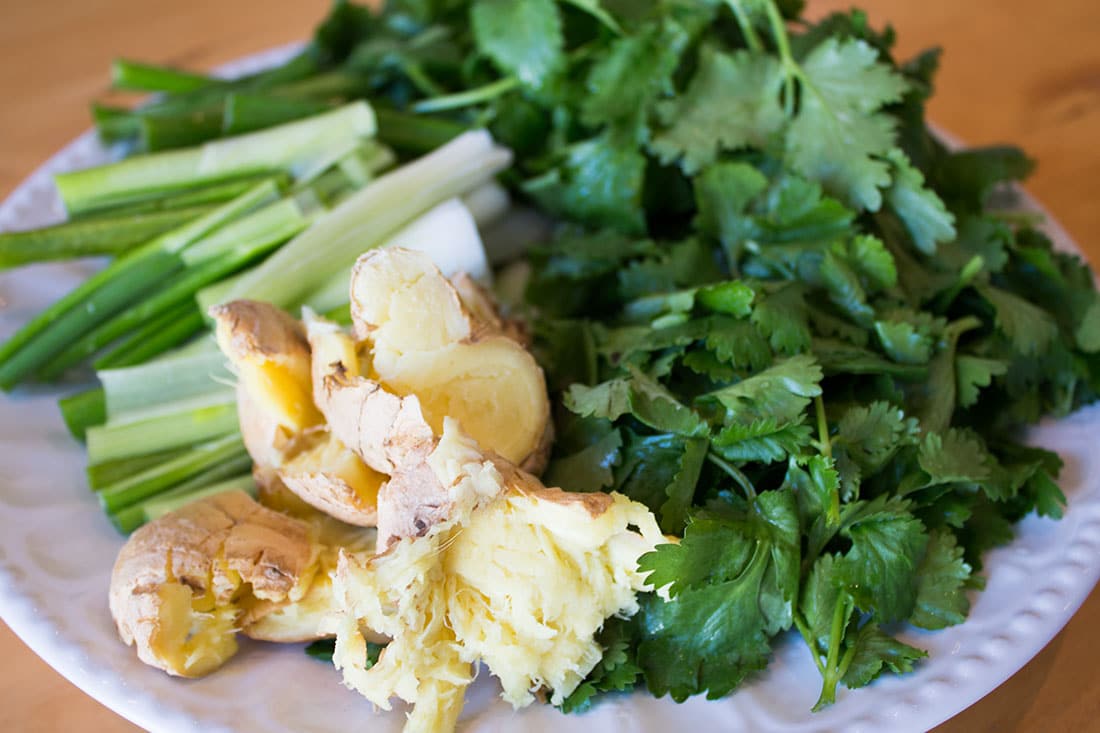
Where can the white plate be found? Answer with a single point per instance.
(57, 549)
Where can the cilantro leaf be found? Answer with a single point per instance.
(599, 183)
(706, 363)
(1045, 494)
(941, 589)
(732, 102)
(634, 73)
(821, 592)
(918, 206)
(874, 653)
(723, 192)
(737, 343)
(655, 406)
(590, 469)
(522, 37)
(861, 652)
(905, 343)
(1030, 328)
(796, 209)
(838, 136)
(782, 318)
(734, 583)
(609, 400)
(638, 395)
(973, 373)
(682, 487)
(880, 568)
(620, 344)
(956, 455)
(873, 262)
(766, 440)
(844, 287)
(732, 297)
(781, 392)
(817, 486)
(867, 437)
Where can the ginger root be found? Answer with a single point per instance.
(488, 565)
(449, 349)
(282, 429)
(185, 583)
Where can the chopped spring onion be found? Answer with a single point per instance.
(293, 147)
(369, 217)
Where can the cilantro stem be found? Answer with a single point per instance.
(804, 630)
(779, 31)
(467, 98)
(752, 38)
(421, 80)
(969, 271)
(832, 667)
(823, 428)
(734, 473)
(826, 445)
(846, 660)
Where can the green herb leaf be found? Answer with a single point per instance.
(1030, 328)
(942, 578)
(838, 137)
(598, 184)
(880, 568)
(736, 578)
(635, 72)
(781, 392)
(589, 469)
(918, 206)
(874, 653)
(973, 373)
(523, 37)
(731, 103)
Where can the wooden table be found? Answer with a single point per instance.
(1014, 70)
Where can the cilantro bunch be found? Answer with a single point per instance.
(779, 312)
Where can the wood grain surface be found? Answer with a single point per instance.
(1013, 70)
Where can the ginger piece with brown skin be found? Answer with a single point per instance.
(282, 429)
(271, 355)
(505, 572)
(182, 584)
(447, 347)
(390, 433)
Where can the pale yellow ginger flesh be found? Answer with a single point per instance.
(269, 351)
(186, 583)
(282, 429)
(448, 349)
(321, 470)
(514, 575)
(317, 615)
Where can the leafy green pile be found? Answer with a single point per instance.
(780, 312)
